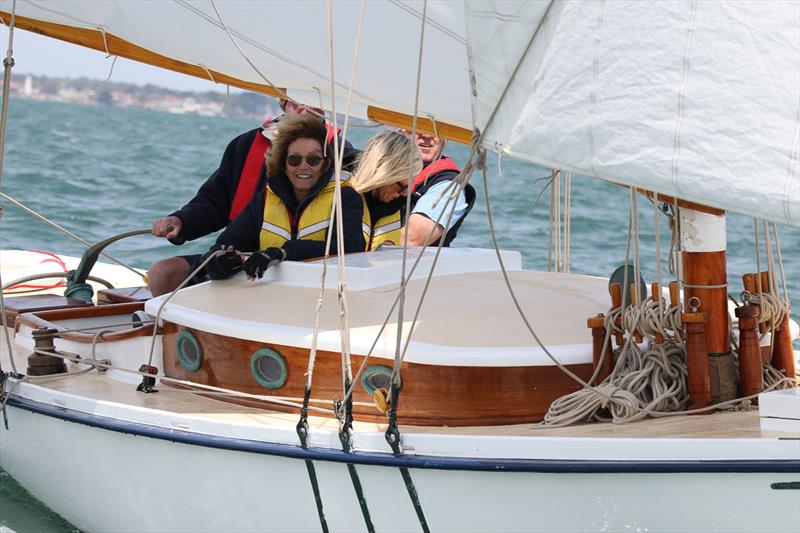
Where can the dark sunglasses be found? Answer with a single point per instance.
(312, 160)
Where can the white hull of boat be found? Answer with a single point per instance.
(101, 478)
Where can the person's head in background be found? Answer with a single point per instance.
(430, 146)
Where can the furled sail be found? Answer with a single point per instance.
(699, 100)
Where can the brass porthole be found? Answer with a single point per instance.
(269, 368)
(190, 355)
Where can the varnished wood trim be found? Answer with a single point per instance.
(683, 203)
(424, 125)
(431, 394)
(122, 48)
(49, 318)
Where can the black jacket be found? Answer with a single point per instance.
(208, 211)
(243, 232)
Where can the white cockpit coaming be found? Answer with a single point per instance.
(467, 318)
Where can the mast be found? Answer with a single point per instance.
(705, 277)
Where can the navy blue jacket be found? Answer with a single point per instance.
(244, 231)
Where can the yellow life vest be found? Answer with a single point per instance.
(279, 226)
(385, 230)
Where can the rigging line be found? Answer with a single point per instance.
(758, 257)
(400, 309)
(780, 262)
(202, 66)
(551, 226)
(241, 52)
(66, 232)
(637, 258)
(514, 72)
(772, 287)
(344, 411)
(430, 22)
(433, 265)
(392, 434)
(302, 425)
(255, 44)
(451, 195)
(8, 63)
(110, 72)
(548, 182)
(340, 259)
(66, 15)
(522, 315)
(659, 271)
(183, 283)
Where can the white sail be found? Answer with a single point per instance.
(699, 100)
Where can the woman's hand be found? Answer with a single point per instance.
(259, 262)
(229, 262)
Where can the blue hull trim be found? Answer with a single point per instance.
(552, 466)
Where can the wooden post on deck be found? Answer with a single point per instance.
(781, 355)
(750, 373)
(655, 294)
(616, 301)
(598, 326)
(697, 360)
(783, 352)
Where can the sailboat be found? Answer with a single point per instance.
(378, 396)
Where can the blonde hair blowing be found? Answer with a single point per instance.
(386, 160)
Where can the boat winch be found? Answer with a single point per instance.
(41, 362)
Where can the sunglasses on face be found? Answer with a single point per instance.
(311, 160)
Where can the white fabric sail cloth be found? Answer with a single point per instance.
(694, 99)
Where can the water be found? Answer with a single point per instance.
(102, 171)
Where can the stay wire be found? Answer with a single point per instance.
(346, 419)
(8, 63)
(393, 437)
(66, 232)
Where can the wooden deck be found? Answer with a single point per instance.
(721, 425)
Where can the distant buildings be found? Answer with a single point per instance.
(111, 94)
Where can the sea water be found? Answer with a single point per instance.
(102, 171)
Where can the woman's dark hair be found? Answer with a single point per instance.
(291, 128)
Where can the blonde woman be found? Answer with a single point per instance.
(382, 178)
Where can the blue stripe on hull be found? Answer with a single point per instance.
(408, 461)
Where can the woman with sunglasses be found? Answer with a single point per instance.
(290, 218)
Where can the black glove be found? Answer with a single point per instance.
(227, 264)
(259, 262)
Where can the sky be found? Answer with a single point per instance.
(35, 54)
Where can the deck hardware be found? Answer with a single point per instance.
(269, 368)
(190, 354)
(148, 381)
(40, 362)
(76, 279)
(302, 433)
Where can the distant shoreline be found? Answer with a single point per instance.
(129, 95)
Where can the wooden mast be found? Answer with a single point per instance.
(704, 244)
